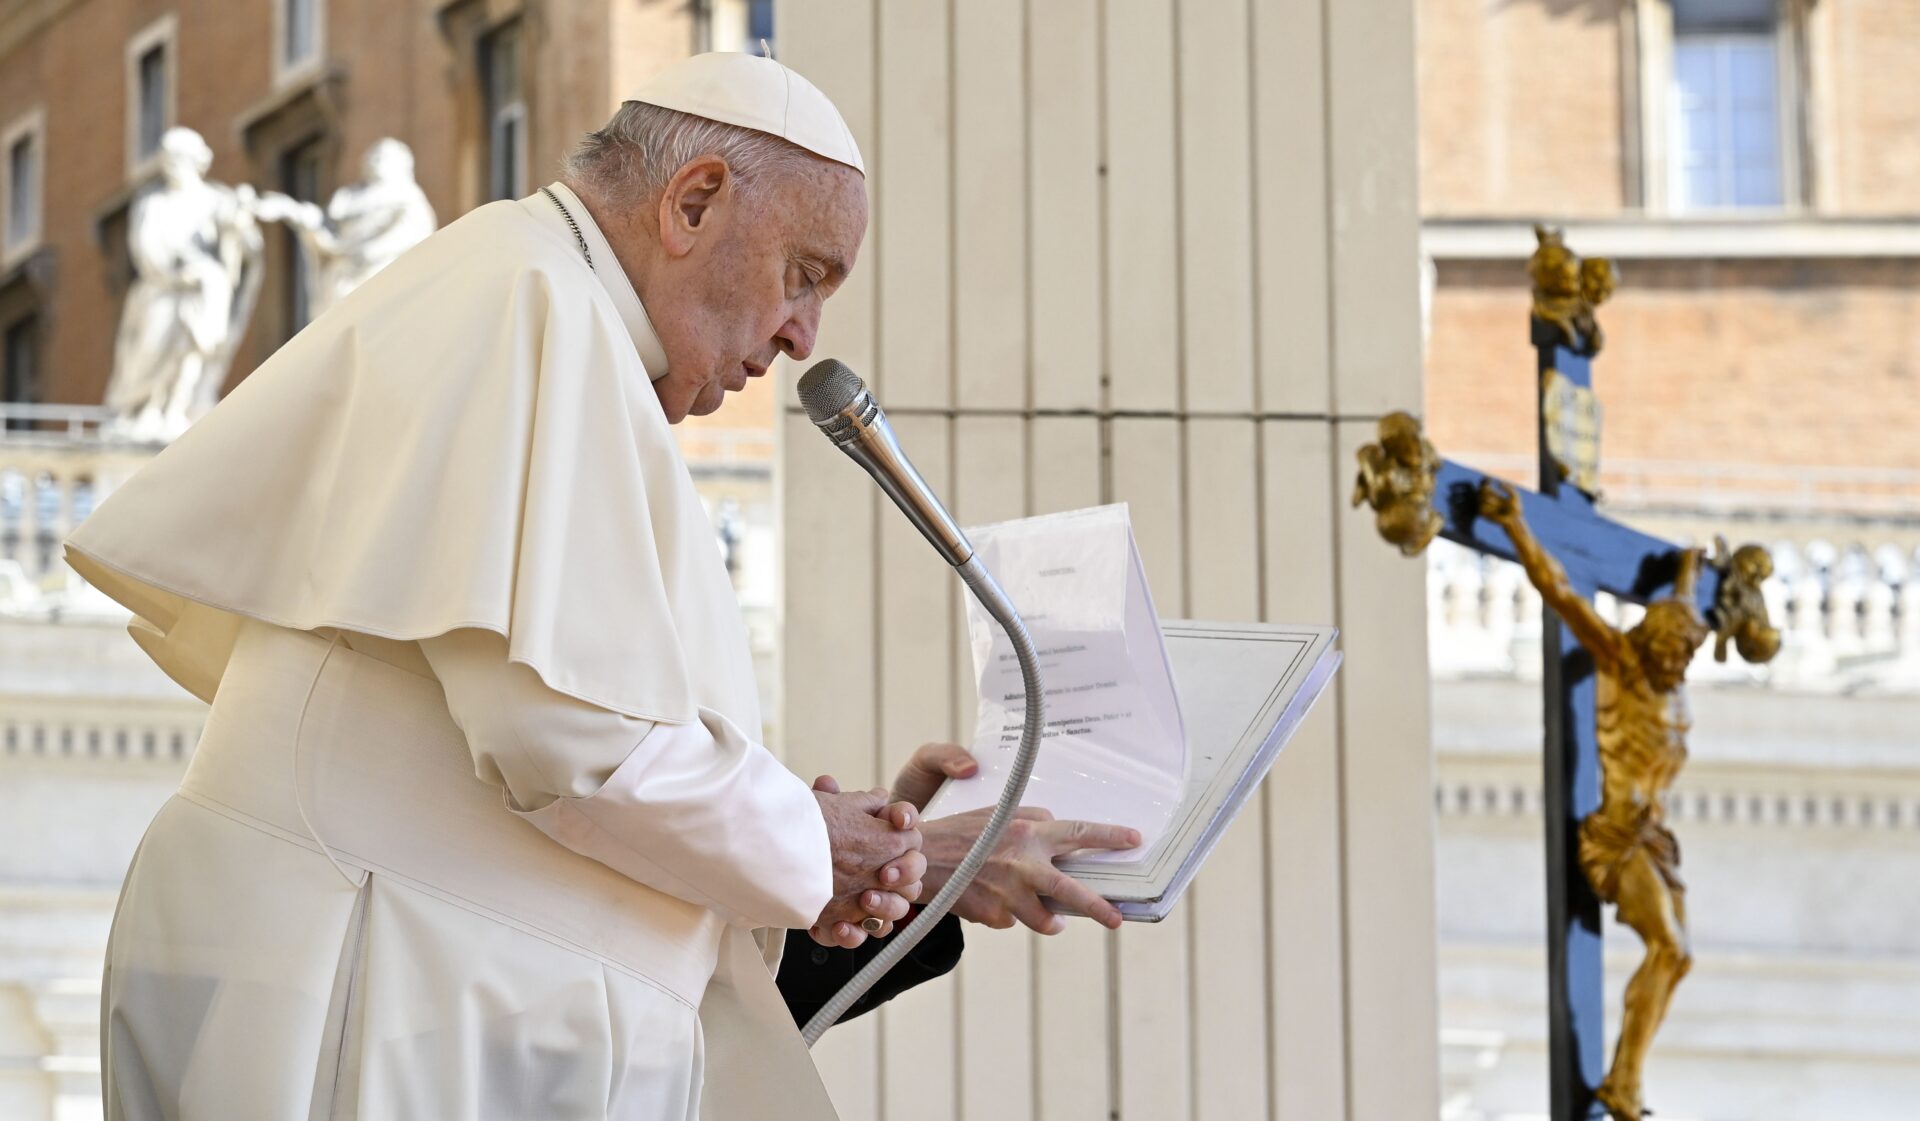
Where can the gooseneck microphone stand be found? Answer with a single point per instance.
(838, 402)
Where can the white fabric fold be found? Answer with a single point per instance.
(698, 811)
(403, 472)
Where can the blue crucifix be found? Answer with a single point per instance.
(1615, 710)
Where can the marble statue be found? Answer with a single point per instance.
(365, 227)
(196, 249)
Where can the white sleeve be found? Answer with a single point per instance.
(698, 811)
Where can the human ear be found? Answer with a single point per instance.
(688, 203)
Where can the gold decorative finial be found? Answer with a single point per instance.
(1396, 479)
(1567, 289)
(1739, 607)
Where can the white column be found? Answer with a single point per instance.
(1167, 254)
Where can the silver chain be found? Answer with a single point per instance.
(579, 240)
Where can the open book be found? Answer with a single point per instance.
(1245, 688)
(1166, 733)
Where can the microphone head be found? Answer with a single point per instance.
(828, 388)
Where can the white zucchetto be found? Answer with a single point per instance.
(756, 93)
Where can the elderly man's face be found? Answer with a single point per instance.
(743, 280)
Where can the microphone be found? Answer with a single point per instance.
(838, 402)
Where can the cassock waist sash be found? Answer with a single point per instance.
(360, 760)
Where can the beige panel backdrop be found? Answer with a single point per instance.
(1160, 252)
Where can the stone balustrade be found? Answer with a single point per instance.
(1849, 613)
(56, 461)
(25, 423)
(103, 729)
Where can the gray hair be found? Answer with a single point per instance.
(633, 157)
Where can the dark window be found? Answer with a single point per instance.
(1722, 15)
(152, 105)
(23, 190)
(299, 178)
(506, 112)
(20, 365)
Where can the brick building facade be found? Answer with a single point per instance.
(1803, 305)
(288, 93)
(1764, 346)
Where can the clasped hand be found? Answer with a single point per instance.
(877, 863)
(1014, 885)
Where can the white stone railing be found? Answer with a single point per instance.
(54, 473)
(62, 423)
(98, 728)
(1850, 617)
(1713, 798)
(49, 481)
(1850, 613)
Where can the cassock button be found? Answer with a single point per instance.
(819, 955)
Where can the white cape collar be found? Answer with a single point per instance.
(606, 267)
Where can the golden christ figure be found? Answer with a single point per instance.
(1626, 850)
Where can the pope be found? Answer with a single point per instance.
(480, 824)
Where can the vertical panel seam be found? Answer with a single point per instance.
(1254, 256)
(1327, 201)
(1026, 212)
(1105, 354)
(1029, 942)
(954, 378)
(1270, 1011)
(1181, 405)
(954, 621)
(1340, 785)
(1110, 943)
(1334, 404)
(1183, 453)
(873, 498)
(1256, 324)
(1180, 219)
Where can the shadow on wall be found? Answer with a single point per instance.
(1595, 11)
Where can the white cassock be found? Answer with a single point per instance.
(479, 826)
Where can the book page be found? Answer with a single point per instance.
(1114, 749)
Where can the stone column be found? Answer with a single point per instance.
(1165, 254)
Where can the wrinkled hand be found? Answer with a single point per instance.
(877, 865)
(1020, 876)
(1497, 502)
(1011, 887)
(930, 766)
